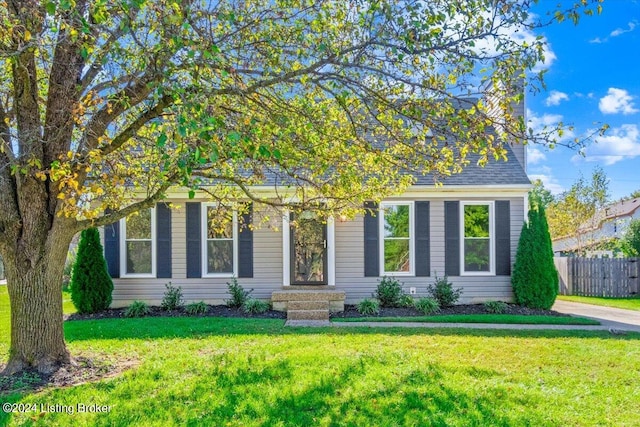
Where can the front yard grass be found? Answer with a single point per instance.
(256, 372)
(478, 318)
(625, 303)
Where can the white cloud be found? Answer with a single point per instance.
(535, 155)
(615, 33)
(550, 182)
(518, 33)
(545, 125)
(617, 101)
(555, 98)
(619, 31)
(618, 144)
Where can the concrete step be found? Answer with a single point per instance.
(301, 295)
(308, 288)
(308, 314)
(308, 305)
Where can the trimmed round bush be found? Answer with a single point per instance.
(389, 292)
(91, 285)
(534, 277)
(442, 291)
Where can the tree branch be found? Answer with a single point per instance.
(124, 100)
(137, 124)
(121, 213)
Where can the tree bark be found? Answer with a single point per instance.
(35, 295)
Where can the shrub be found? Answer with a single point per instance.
(427, 306)
(631, 239)
(495, 307)
(368, 307)
(389, 292)
(255, 306)
(534, 277)
(442, 290)
(238, 294)
(196, 308)
(407, 300)
(91, 285)
(137, 309)
(172, 299)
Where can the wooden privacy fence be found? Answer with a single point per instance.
(598, 277)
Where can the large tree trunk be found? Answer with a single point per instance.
(35, 297)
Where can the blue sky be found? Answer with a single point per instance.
(593, 78)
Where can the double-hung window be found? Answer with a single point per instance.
(138, 244)
(477, 243)
(397, 238)
(219, 242)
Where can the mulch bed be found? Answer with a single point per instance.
(351, 311)
(212, 311)
(83, 370)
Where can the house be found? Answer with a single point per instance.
(607, 225)
(468, 229)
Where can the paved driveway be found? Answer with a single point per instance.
(613, 317)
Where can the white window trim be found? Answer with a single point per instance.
(412, 238)
(123, 249)
(204, 247)
(492, 239)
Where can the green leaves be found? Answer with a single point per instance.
(162, 140)
(50, 7)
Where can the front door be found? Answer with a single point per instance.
(308, 250)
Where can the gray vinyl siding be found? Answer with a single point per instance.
(350, 260)
(349, 256)
(267, 246)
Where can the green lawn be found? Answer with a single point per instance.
(246, 372)
(479, 318)
(626, 303)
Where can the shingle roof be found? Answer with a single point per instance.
(495, 172)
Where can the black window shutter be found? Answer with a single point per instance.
(452, 238)
(503, 238)
(371, 241)
(112, 248)
(423, 252)
(194, 236)
(163, 241)
(245, 244)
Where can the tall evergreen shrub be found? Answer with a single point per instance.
(91, 285)
(534, 277)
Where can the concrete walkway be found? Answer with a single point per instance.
(616, 318)
(610, 318)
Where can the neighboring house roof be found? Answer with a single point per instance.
(608, 223)
(616, 210)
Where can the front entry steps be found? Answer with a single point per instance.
(308, 305)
